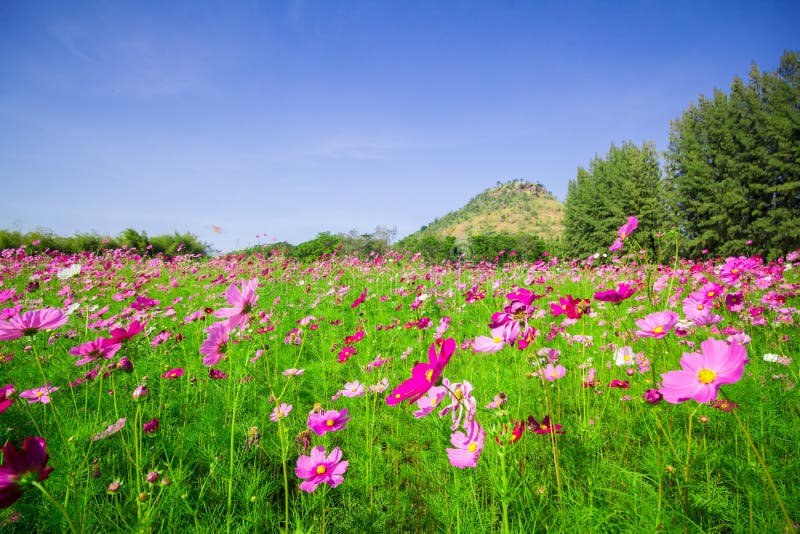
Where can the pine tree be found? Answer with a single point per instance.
(734, 166)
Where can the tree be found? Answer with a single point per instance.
(628, 181)
(733, 166)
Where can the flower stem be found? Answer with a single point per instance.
(789, 524)
(57, 505)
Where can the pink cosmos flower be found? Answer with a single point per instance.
(6, 393)
(624, 231)
(657, 324)
(41, 394)
(173, 373)
(490, 344)
(704, 372)
(111, 429)
(462, 403)
(423, 375)
(498, 401)
(574, 308)
(279, 412)
(552, 372)
(327, 421)
(216, 343)
(30, 322)
(18, 468)
(319, 469)
(124, 334)
(430, 401)
(695, 306)
(243, 300)
(353, 389)
(468, 447)
(360, 299)
(345, 353)
(91, 350)
(623, 292)
(293, 372)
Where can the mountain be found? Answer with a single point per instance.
(515, 207)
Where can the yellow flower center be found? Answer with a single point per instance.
(458, 393)
(543, 427)
(626, 358)
(39, 394)
(429, 374)
(624, 235)
(706, 376)
(497, 339)
(700, 306)
(658, 329)
(472, 447)
(321, 469)
(329, 422)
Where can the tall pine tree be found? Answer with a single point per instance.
(628, 181)
(733, 166)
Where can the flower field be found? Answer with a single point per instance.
(389, 394)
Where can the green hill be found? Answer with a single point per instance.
(515, 207)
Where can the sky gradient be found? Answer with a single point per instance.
(283, 119)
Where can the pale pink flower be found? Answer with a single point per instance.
(703, 372)
(41, 394)
(30, 322)
(243, 300)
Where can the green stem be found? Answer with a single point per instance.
(789, 524)
(57, 505)
(231, 457)
(284, 454)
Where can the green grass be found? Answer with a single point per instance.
(620, 466)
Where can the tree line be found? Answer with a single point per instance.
(45, 240)
(730, 183)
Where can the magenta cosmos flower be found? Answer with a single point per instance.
(319, 469)
(243, 300)
(30, 322)
(704, 372)
(360, 299)
(423, 375)
(615, 295)
(91, 350)
(545, 427)
(657, 324)
(279, 412)
(215, 345)
(124, 334)
(20, 469)
(624, 231)
(327, 421)
(6, 393)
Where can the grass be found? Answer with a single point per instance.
(622, 465)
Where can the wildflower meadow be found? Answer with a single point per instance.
(631, 391)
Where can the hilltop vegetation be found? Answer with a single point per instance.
(514, 207)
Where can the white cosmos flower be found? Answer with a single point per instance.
(69, 272)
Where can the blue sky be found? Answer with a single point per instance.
(284, 119)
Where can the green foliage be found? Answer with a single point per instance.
(627, 182)
(325, 243)
(41, 240)
(733, 166)
(513, 207)
(500, 247)
(432, 247)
